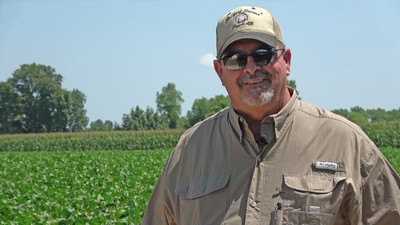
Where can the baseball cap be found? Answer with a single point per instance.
(247, 22)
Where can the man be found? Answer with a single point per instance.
(270, 158)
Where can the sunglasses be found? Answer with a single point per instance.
(261, 57)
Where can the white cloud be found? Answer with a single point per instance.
(207, 60)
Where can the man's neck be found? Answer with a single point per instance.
(254, 115)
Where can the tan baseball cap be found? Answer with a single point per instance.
(247, 22)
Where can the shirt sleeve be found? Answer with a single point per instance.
(380, 190)
(157, 213)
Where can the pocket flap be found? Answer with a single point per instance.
(313, 182)
(202, 186)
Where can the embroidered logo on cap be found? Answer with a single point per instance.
(241, 17)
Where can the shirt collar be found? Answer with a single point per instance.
(279, 121)
(237, 122)
(284, 117)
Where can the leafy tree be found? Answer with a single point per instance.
(99, 125)
(169, 105)
(40, 98)
(135, 120)
(7, 108)
(138, 119)
(358, 118)
(96, 125)
(376, 115)
(394, 114)
(154, 120)
(108, 125)
(358, 115)
(33, 101)
(292, 83)
(117, 126)
(77, 119)
(203, 108)
(343, 112)
(361, 116)
(358, 109)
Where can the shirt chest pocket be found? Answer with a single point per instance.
(204, 200)
(311, 198)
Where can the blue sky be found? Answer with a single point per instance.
(120, 53)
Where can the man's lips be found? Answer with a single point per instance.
(254, 81)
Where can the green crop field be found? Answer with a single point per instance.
(77, 187)
(393, 156)
(84, 187)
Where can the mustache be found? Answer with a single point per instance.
(257, 74)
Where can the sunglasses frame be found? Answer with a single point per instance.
(259, 56)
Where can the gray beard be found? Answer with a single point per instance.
(259, 95)
(259, 98)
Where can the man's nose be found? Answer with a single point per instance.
(251, 67)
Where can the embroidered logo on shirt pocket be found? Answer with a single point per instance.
(311, 198)
(203, 200)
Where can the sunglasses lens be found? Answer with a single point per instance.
(263, 57)
(236, 61)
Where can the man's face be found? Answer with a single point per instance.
(254, 85)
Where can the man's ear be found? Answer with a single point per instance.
(218, 69)
(287, 57)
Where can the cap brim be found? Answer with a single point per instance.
(265, 38)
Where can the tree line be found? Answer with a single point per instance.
(362, 116)
(168, 113)
(33, 101)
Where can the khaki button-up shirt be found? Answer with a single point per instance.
(311, 167)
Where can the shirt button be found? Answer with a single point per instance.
(253, 204)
